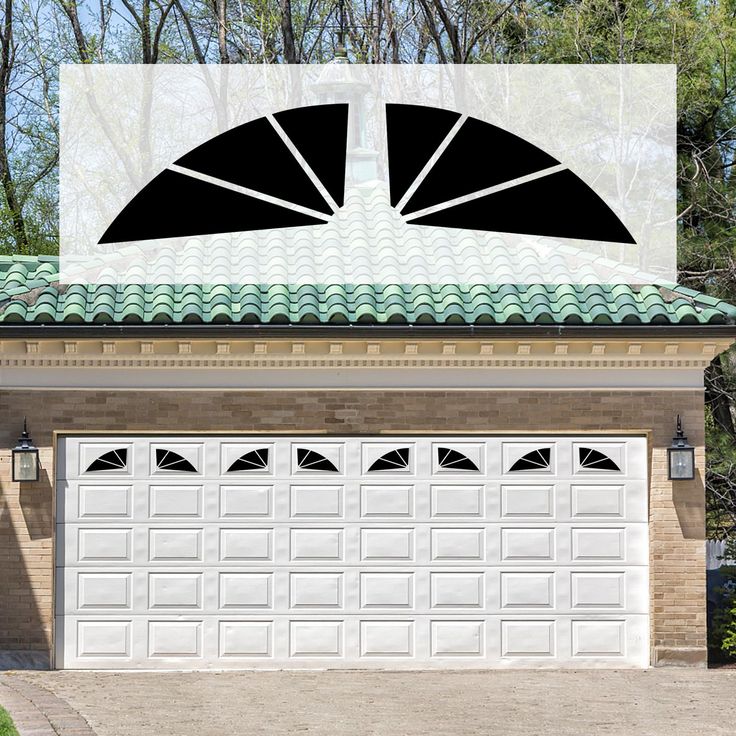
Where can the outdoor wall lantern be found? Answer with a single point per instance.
(680, 457)
(25, 457)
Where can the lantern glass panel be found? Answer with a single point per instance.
(682, 463)
(25, 465)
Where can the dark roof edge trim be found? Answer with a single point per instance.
(234, 331)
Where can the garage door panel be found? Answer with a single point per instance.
(526, 641)
(299, 552)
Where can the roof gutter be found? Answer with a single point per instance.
(238, 331)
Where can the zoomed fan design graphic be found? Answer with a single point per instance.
(289, 170)
(247, 178)
(515, 186)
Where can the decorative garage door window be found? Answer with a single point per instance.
(110, 460)
(393, 460)
(251, 460)
(536, 460)
(170, 460)
(393, 552)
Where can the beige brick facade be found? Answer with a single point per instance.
(677, 548)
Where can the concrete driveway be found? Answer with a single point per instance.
(661, 702)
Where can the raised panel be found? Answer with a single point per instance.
(527, 501)
(103, 590)
(527, 590)
(174, 590)
(386, 501)
(97, 501)
(386, 638)
(174, 638)
(598, 638)
(176, 501)
(387, 544)
(598, 544)
(245, 501)
(104, 545)
(316, 544)
(316, 501)
(527, 544)
(174, 544)
(316, 590)
(451, 501)
(316, 638)
(597, 500)
(103, 638)
(457, 638)
(457, 590)
(527, 638)
(245, 544)
(458, 544)
(245, 590)
(386, 590)
(246, 639)
(597, 589)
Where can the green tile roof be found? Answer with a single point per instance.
(30, 294)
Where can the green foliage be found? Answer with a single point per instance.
(722, 629)
(6, 724)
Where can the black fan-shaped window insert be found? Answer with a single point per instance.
(112, 460)
(170, 460)
(534, 460)
(204, 191)
(595, 460)
(179, 202)
(253, 460)
(311, 460)
(450, 459)
(395, 460)
(479, 156)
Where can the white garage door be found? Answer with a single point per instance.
(393, 552)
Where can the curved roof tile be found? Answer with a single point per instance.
(30, 293)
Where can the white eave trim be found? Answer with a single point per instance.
(403, 364)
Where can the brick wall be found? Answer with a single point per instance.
(676, 510)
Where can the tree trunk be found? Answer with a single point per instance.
(221, 15)
(12, 201)
(718, 398)
(287, 30)
(72, 12)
